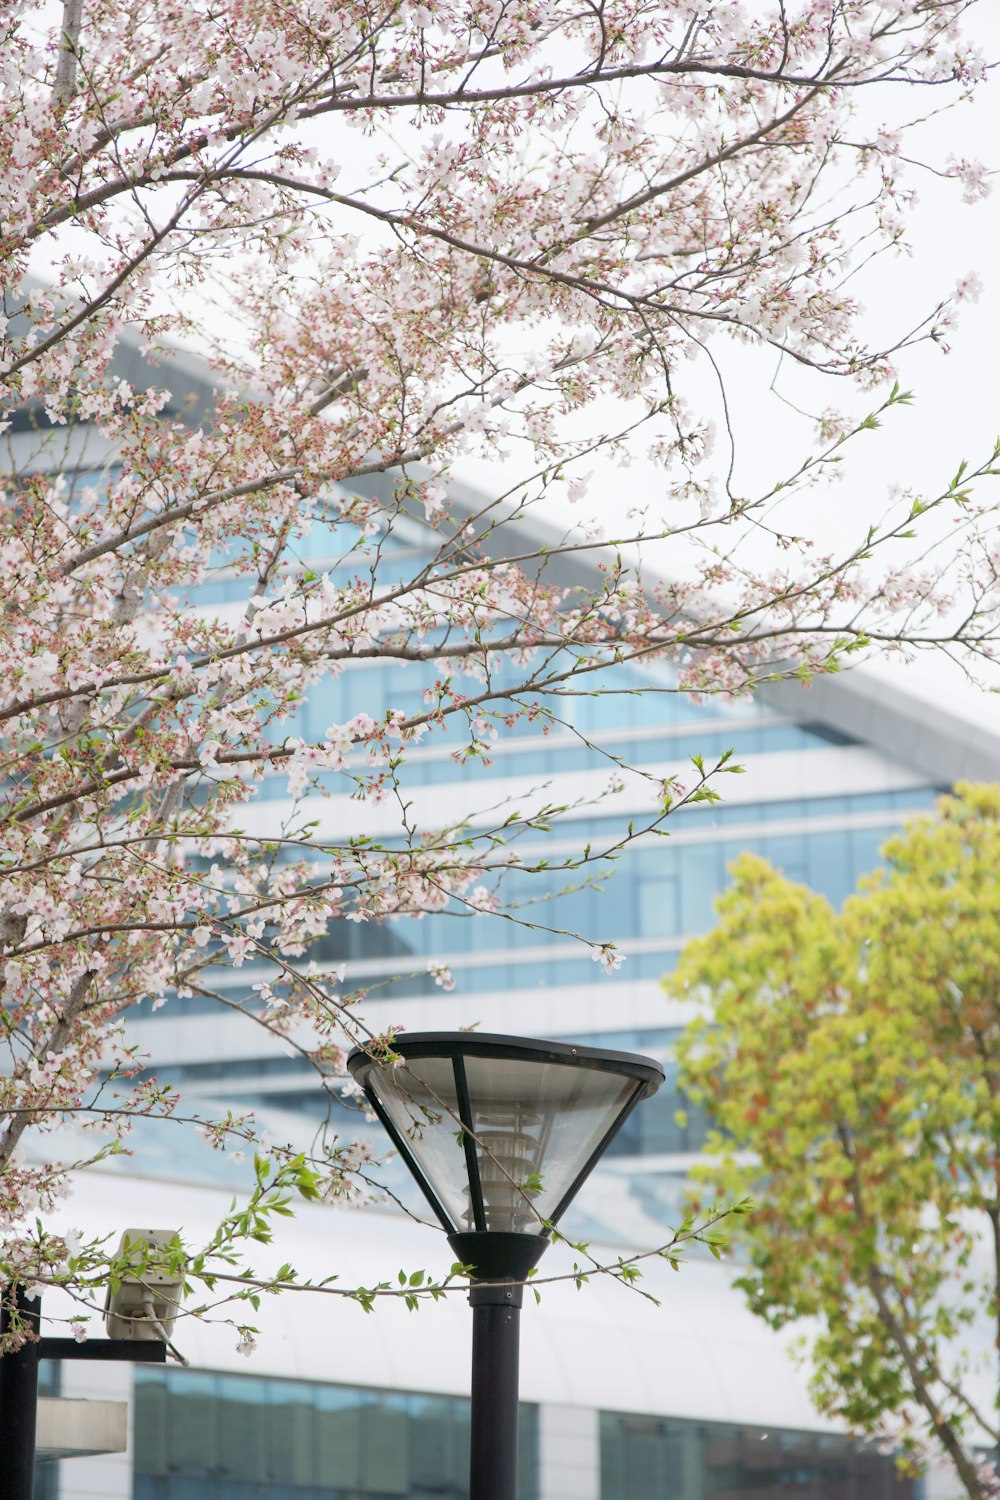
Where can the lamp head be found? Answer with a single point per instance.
(501, 1132)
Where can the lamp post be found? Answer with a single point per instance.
(500, 1133)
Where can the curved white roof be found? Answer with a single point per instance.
(700, 1354)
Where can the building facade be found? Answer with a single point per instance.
(623, 1400)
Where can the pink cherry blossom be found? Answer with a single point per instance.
(506, 235)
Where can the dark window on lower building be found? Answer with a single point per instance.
(200, 1436)
(47, 1472)
(666, 1458)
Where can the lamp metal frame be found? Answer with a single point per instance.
(499, 1261)
(457, 1046)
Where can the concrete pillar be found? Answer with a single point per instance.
(569, 1453)
(67, 1427)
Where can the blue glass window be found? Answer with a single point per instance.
(667, 1458)
(200, 1436)
(47, 1472)
(658, 891)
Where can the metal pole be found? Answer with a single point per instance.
(496, 1318)
(18, 1401)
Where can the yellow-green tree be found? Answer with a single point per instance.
(851, 1061)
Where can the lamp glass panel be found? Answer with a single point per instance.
(421, 1101)
(536, 1125)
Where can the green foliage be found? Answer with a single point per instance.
(852, 1063)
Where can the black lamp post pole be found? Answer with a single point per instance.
(496, 1330)
(19, 1402)
(500, 1262)
(520, 1106)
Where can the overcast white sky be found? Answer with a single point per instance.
(956, 412)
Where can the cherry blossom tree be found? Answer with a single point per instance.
(403, 237)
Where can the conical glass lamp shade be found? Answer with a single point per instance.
(500, 1132)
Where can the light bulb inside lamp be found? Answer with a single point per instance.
(508, 1170)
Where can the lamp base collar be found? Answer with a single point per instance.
(496, 1255)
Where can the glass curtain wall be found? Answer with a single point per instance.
(202, 1436)
(666, 1458)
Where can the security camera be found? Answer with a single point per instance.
(145, 1303)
